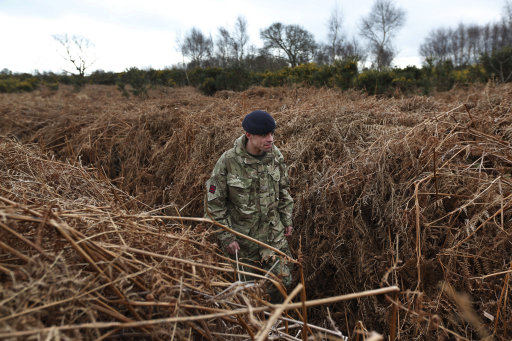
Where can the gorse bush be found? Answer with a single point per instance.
(342, 74)
(375, 82)
(12, 83)
(498, 65)
(440, 76)
(235, 78)
(168, 77)
(345, 73)
(208, 86)
(54, 86)
(408, 80)
(103, 78)
(138, 81)
(471, 74)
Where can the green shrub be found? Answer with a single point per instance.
(303, 73)
(168, 77)
(345, 73)
(375, 82)
(273, 79)
(24, 86)
(323, 76)
(8, 85)
(121, 86)
(18, 83)
(208, 86)
(408, 80)
(234, 78)
(442, 76)
(499, 64)
(53, 86)
(102, 77)
(136, 79)
(470, 74)
(199, 75)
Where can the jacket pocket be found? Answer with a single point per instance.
(275, 176)
(239, 189)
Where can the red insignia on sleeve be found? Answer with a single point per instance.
(212, 189)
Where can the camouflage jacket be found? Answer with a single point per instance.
(250, 196)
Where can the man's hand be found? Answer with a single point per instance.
(288, 231)
(233, 247)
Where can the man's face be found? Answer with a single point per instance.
(259, 144)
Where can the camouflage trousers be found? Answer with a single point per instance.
(266, 259)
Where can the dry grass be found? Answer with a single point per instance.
(413, 192)
(76, 262)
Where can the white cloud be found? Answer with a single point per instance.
(143, 33)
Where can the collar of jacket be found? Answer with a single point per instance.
(241, 151)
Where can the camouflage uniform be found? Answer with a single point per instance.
(251, 196)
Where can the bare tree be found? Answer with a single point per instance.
(197, 47)
(335, 37)
(379, 28)
(507, 11)
(458, 44)
(223, 47)
(261, 60)
(353, 50)
(495, 37)
(241, 38)
(469, 44)
(499, 63)
(436, 48)
(297, 43)
(485, 44)
(474, 41)
(180, 47)
(78, 51)
(232, 46)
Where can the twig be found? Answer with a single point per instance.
(102, 325)
(263, 333)
(502, 299)
(19, 236)
(15, 252)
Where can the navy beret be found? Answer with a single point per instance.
(259, 122)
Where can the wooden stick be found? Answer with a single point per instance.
(93, 263)
(263, 333)
(15, 252)
(425, 318)
(492, 275)
(19, 236)
(238, 234)
(5, 270)
(69, 299)
(101, 325)
(111, 312)
(418, 232)
(303, 304)
(435, 174)
(485, 222)
(503, 298)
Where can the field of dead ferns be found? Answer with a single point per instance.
(101, 199)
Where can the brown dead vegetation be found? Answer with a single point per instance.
(413, 192)
(77, 263)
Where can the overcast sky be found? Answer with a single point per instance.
(143, 33)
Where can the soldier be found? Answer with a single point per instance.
(248, 191)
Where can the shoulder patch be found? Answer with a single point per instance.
(212, 189)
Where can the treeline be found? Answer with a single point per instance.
(291, 56)
(489, 45)
(438, 76)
